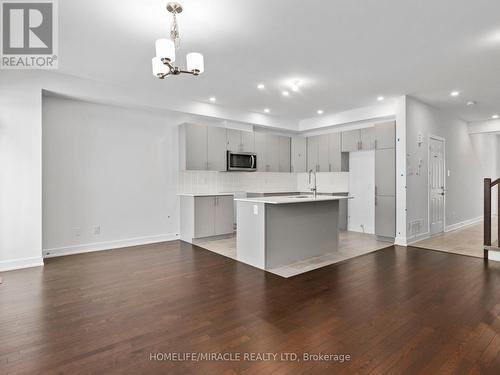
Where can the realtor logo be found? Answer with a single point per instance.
(29, 34)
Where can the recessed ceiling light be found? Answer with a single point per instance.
(455, 93)
(380, 98)
(212, 99)
(261, 86)
(471, 102)
(319, 111)
(494, 117)
(267, 110)
(285, 93)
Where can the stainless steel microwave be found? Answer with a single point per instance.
(241, 161)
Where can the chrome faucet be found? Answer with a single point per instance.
(315, 188)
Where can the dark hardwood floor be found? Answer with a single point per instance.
(395, 311)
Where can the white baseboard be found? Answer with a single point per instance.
(401, 241)
(16, 264)
(462, 224)
(107, 245)
(418, 237)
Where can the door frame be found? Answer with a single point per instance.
(437, 138)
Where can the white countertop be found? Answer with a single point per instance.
(204, 194)
(293, 199)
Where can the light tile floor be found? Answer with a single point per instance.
(352, 244)
(464, 241)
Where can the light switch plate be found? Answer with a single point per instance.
(255, 209)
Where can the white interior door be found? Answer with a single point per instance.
(437, 188)
(361, 209)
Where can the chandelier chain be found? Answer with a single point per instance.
(174, 32)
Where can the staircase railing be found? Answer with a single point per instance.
(488, 185)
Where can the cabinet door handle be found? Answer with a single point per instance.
(375, 143)
(375, 200)
(330, 167)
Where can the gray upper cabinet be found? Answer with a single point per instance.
(323, 153)
(385, 134)
(367, 138)
(335, 152)
(355, 140)
(233, 140)
(240, 141)
(312, 153)
(298, 154)
(247, 141)
(204, 147)
(196, 147)
(260, 150)
(216, 146)
(272, 153)
(284, 160)
(350, 140)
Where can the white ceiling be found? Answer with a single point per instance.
(346, 53)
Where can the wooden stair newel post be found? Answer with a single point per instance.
(487, 215)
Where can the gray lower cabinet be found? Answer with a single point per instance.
(205, 216)
(385, 217)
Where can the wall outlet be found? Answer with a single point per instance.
(97, 230)
(255, 209)
(77, 231)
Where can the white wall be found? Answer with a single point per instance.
(464, 196)
(20, 176)
(486, 148)
(110, 167)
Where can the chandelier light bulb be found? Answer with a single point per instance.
(195, 62)
(165, 49)
(159, 68)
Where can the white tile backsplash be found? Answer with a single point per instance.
(266, 182)
(327, 182)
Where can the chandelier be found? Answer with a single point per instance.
(163, 63)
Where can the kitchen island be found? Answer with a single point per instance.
(279, 230)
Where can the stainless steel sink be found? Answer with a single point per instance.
(301, 196)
